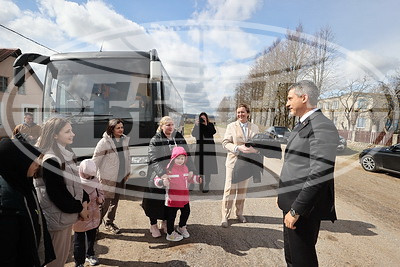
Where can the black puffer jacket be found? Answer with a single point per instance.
(23, 230)
(160, 149)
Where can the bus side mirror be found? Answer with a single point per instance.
(19, 76)
(155, 71)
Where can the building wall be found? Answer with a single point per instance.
(13, 103)
(371, 116)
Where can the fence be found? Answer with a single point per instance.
(382, 138)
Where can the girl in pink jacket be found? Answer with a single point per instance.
(177, 193)
(87, 230)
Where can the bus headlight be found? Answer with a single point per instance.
(138, 160)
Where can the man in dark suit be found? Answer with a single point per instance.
(306, 186)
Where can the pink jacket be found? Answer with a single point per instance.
(94, 213)
(91, 185)
(177, 193)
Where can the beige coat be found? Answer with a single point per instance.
(234, 137)
(106, 158)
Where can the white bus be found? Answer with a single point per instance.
(90, 88)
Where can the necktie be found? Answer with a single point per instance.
(297, 126)
(244, 129)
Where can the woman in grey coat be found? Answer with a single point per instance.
(111, 156)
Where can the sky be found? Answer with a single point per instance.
(207, 46)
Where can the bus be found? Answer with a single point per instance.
(90, 88)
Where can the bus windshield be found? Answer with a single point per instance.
(81, 92)
(91, 88)
(92, 91)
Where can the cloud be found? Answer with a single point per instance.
(8, 11)
(197, 98)
(360, 63)
(228, 10)
(28, 23)
(78, 20)
(196, 58)
(220, 40)
(231, 38)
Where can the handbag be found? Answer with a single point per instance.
(268, 147)
(246, 166)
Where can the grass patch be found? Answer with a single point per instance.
(188, 128)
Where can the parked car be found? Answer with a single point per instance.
(342, 143)
(381, 158)
(278, 132)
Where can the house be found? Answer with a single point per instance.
(14, 102)
(363, 117)
(359, 111)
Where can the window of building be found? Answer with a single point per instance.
(392, 125)
(21, 90)
(361, 122)
(335, 104)
(362, 103)
(3, 83)
(326, 105)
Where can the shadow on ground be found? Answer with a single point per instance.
(355, 228)
(235, 239)
(173, 263)
(238, 238)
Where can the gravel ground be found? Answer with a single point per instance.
(366, 234)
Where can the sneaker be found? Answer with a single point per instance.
(112, 228)
(155, 232)
(80, 265)
(164, 226)
(224, 223)
(183, 231)
(205, 189)
(174, 237)
(93, 260)
(241, 218)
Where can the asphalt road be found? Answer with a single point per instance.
(366, 234)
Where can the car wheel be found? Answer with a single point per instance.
(368, 163)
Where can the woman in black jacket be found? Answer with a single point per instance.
(160, 148)
(23, 230)
(205, 161)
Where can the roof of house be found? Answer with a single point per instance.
(6, 53)
(16, 52)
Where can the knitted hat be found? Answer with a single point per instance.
(87, 168)
(176, 151)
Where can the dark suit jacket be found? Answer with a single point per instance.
(306, 182)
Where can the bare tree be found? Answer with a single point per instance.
(349, 97)
(265, 87)
(224, 109)
(392, 92)
(281, 64)
(322, 58)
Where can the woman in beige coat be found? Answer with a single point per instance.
(112, 159)
(236, 135)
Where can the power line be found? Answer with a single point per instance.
(11, 30)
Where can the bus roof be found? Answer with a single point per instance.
(108, 54)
